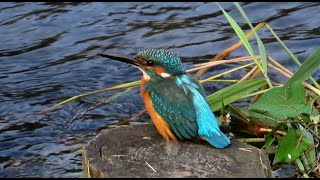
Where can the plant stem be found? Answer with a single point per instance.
(227, 72)
(291, 54)
(255, 93)
(230, 49)
(224, 80)
(121, 86)
(289, 74)
(299, 164)
(215, 63)
(248, 140)
(279, 65)
(249, 74)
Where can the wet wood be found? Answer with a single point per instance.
(139, 151)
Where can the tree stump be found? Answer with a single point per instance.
(140, 151)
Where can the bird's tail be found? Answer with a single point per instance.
(207, 122)
(218, 140)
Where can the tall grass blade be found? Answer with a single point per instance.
(241, 35)
(121, 86)
(244, 40)
(309, 66)
(262, 50)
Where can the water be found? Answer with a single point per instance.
(48, 53)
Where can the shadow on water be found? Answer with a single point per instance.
(48, 53)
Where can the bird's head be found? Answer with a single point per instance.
(154, 63)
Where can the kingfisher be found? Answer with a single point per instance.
(174, 99)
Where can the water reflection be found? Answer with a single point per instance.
(48, 53)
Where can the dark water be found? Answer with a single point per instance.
(47, 54)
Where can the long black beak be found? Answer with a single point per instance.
(121, 58)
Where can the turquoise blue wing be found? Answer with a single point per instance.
(182, 103)
(207, 122)
(173, 103)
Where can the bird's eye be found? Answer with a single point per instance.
(149, 63)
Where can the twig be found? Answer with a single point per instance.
(255, 93)
(255, 74)
(121, 86)
(279, 65)
(317, 91)
(229, 50)
(254, 99)
(290, 54)
(227, 72)
(215, 63)
(249, 74)
(134, 117)
(280, 70)
(88, 169)
(248, 140)
(241, 113)
(264, 166)
(269, 130)
(245, 149)
(224, 80)
(151, 167)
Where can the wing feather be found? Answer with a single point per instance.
(181, 101)
(173, 101)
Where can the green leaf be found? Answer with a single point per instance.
(308, 138)
(263, 55)
(234, 92)
(282, 102)
(309, 66)
(269, 141)
(259, 118)
(289, 147)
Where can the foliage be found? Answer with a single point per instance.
(287, 104)
(283, 102)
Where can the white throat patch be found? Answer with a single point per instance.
(145, 75)
(165, 75)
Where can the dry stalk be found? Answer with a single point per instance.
(232, 48)
(248, 74)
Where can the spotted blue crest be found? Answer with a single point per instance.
(169, 60)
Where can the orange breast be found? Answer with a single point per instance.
(161, 125)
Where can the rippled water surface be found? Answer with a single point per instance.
(48, 53)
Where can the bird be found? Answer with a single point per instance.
(174, 99)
